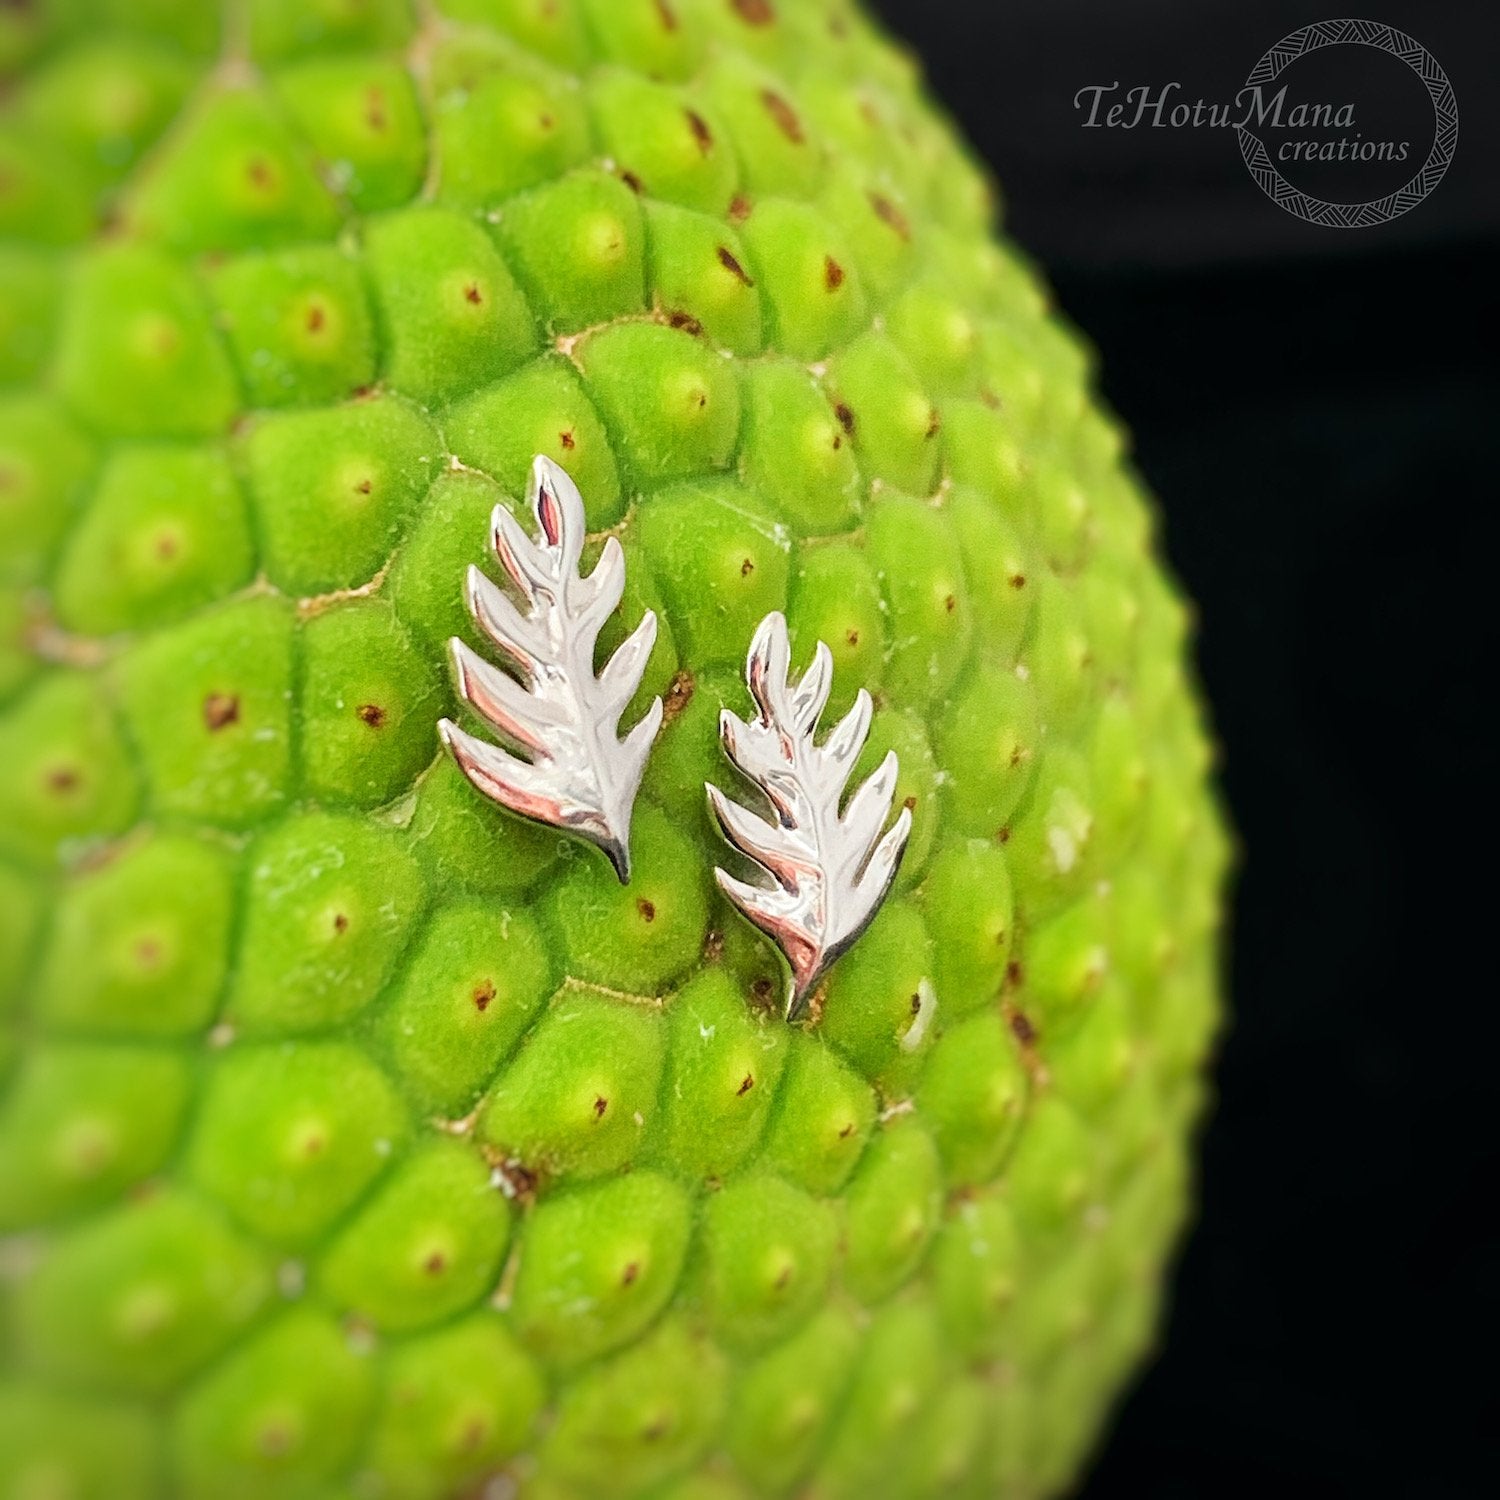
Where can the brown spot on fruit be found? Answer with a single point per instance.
(731, 264)
(647, 909)
(484, 992)
(633, 182)
(833, 273)
(166, 546)
(916, 1003)
(846, 1130)
(435, 1264)
(686, 321)
(1018, 580)
(702, 135)
(754, 12)
(274, 1440)
(739, 208)
(852, 636)
(90, 1154)
(1015, 974)
(950, 603)
(746, 568)
(910, 804)
(316, 318)
(567, 440)
(746, 1084)
(220, 710)
(600, 1105)
(783, 1278)
(165, 338)
(1002, 835)
(845, 414)
(62, 779)
(890, 216)
(148, 953)
(784, 116)
(1020, 1025)
(514, 1178)
(667, 14)
(258, 171)
(376, 116)
(762, 991)
(473, 294)
(678, 695)
(370, 713)
(340, 922)
(364, 487)
(934, 423)
(630, 1273)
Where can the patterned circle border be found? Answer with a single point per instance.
(1377, 210)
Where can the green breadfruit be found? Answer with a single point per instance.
(358, 1140)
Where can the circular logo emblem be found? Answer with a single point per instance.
(1377, 210)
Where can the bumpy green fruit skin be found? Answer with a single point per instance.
(357, 1140)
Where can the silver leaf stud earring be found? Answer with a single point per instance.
(579, 775)
(828, 871)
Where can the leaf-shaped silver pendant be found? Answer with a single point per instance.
(578, 774)
(829, 871)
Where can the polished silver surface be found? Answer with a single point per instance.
(828, 872)
(577, 774)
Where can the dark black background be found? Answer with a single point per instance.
(1317, 410)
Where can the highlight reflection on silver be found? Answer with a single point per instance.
(829, 873)
(578, 775)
